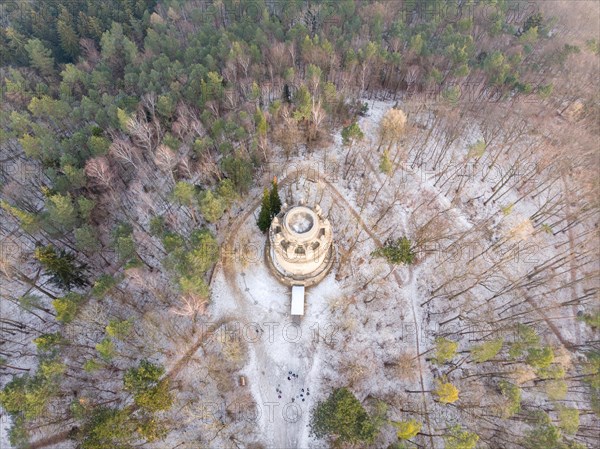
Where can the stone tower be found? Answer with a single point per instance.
(301, 249)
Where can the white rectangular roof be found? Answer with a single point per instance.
(298, 300)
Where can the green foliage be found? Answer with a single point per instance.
(458, 438)
(123, 242)
(408, 429)
(106, 349)
(149, 391)
(86, 239)
(556, 389)
(385, 164)
(194, 285)
(477, 149)
(533, 21)
(342, 416)
(211, 206)
(119, 329)
(303, 104)
(591, 371)
(352, 134)
(240, 171)
(47, 343)
(568, 420)
(29, 302)
(264, 216)
(91, 366)
(29, 222)
(28, 396)
(184, 193)
(104, 284)
(191, 260)
(124, 119)
(261, 123)
(399, 251)
(540, 358)
(40, 57)
(593, 46)
(61, 212)
(525, 337)
(270, 207)
(512, 393)
(98, 145)
(544, 435)
(85, 206)
(446, 392)
(205, 252)
(226, 191)
(157, 226)
(529, 36)
(67, 307)
(274, 200)
(554, 371)
(108, 427)
(61, 266)
(487, 350)
(445, 350)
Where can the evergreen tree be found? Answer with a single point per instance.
(264, 216)
(67, 307)
(211, 206)
(61, 266)
(397, 251)
(445, 350)
(62, 214)
(342, 416)
(512, 394)
(385, 164)
(40, 57)
(274, 200)
(352, 134)
(149, 391)
(487, 350)
(69, 39)
(460, 439)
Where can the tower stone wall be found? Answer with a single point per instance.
(300, 245)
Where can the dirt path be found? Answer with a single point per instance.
(378, 242)
(289, 435)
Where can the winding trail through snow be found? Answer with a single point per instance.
(288, 434)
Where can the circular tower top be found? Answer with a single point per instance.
(301, 223)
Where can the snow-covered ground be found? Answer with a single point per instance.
(365, 316)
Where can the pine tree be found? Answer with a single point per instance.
(460, 439)
(396, 252)
(40, 57)
(487, 350)
(64, 272)
(352, 134)
(69, 40)
(264, 216)
(149, 391)
(274, 200)
(385, 164)
(212, 206)
(343, 415)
